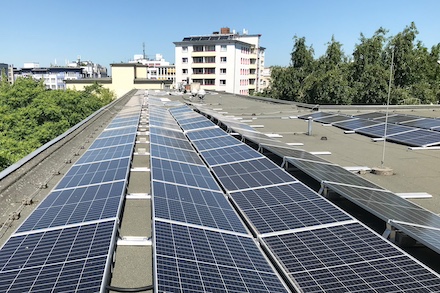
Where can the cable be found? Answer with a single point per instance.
(138, 289)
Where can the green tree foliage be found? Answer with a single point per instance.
(31, 115)
(361, 78)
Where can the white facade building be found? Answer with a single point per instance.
(158, 68)
(224, 61)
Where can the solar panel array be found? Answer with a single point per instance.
(404, 129)
(67, 242)
(316, 245)
(200, 242)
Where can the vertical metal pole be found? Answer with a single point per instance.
(388, 104)
(309, 127)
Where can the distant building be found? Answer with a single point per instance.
(158, 68)
(4, 69)
(125, 77)
(265, 79)
(223, 61)
(90, 69)
(53, 77)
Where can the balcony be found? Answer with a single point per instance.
(203, 54)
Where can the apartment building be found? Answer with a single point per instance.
(223, 61)
(53, 77)
(158, 68)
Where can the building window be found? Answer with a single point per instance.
(198, 59)
(198, 48)
(209, 70)
(223, 48)
(210, 48)
(222, 70)
(222, 59)
(197, 70)
(185, 71)
(184, 60)
(209, 59)
(222, 81)
(209, 81)
(184, 49)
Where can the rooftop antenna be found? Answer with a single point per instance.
(388, 104)
(143, 51)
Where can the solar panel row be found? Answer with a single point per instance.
(66, 244)
(318, 246)
(200, 243)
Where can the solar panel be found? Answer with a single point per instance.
(170, 141)
(418, 138)
(386, 205)
(329, 172)
(189, 259)
(397, 118)
(332, 119)
(175, 154)
(425, 123)
(199, 118)
(259, 138)
(355, 124)
(206, 133)
(117, 132)
(167, 132)
(113, 125)
(286, 207)
(291, 152)
(106, 153)
(348, 258)
(216, 142)
(371, 115)
(182, 173)
(73, 259)
(314, 115)
(197, 125)
(230, 154)
(113, 140)
(164, 124)
(95, 173)
(379, 130)
(195, 206)
(249, 174)
(429, 236)
(76, 205)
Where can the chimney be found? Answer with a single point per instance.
(225, 31)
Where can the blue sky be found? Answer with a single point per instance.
(49, 31)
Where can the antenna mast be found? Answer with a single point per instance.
(143, 51)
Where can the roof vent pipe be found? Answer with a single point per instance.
(309, 127)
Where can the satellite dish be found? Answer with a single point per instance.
(201, 94)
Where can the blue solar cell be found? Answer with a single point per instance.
(192, 120)
(72, 206)
(195, 206)
(206, 133)
(198, 125)
(170, 141)
(166, 132)
(113, 141)
(249, 174)
(210, 261)
(379, 130)
(425, 123)
(418, 138)
(118, 132)
(71, 259)
(230, 154)
(216, 142)
(106, 153)
(175, 154)
(286, 207)
(182, 173)
(95, 173)
(348, 258)
(355, 124)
